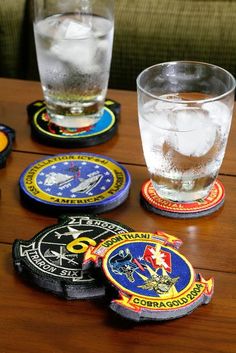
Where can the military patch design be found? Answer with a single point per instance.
(202, 207)
(153, 280)
(84, 182)
(50, 133)
(7, 136)
(53, 258)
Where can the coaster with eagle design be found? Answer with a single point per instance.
(74, 182)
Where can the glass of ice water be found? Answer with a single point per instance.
(74, 46)
(185, 110)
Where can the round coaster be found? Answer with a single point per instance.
(7, 136)
(152, 280)
(49, 133)
(202, 207)
(84, 182)
(53, 258)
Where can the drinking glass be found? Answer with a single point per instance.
(185, 110)
(74, 46)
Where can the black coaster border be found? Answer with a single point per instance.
(71, 142)
(181, 215)
(10, 135)
(57, 284)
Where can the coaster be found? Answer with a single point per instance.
(202, 207)
(84, 182)
(52, 134)
(151, 280)
(52, 259)
(7, 136)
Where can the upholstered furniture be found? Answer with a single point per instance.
(147, 32)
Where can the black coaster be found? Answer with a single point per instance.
(7, 136)
(52, 259)
(74, 182)
(51, 134)
(202, 207)
(149, 278)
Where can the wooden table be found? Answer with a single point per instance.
(34, 321)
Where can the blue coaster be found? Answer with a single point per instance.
(49, 133)
(83, 182)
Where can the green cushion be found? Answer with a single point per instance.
(17, 52)
(11, 37)
(146, 32)
(154, 31)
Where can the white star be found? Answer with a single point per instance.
(103, 188)
(53, 167)
(72, 195)
(97, 167)
(84, 163)
(107, 173)
(59, 194)
(90, 194)
(159, 257)
(66, 163)
(48, 189)
(108, 180)
(40, 182)
(41, 173)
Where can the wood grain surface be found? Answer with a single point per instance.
(16, 95)
(35, 321)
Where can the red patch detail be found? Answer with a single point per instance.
(214, 198)
(163, 260)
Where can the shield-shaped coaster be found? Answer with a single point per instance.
(52, 259)
(49, 133)
(74, 182)
(150, 278)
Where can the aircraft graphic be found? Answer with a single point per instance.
(58, 257)
(75, 233)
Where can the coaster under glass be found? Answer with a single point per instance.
(194, 209)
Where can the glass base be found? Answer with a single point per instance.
(80, 121)
(180, 195)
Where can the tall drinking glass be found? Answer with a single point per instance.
(74, 47)
(185, 111)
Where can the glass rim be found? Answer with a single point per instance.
(196, 101)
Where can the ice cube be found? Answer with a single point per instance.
(75, 44)
(79, 54)
(193, 132)
(157, 114)
(69, 28)
(76, 30)
(220, 114)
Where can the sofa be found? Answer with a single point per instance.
(146, 32)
